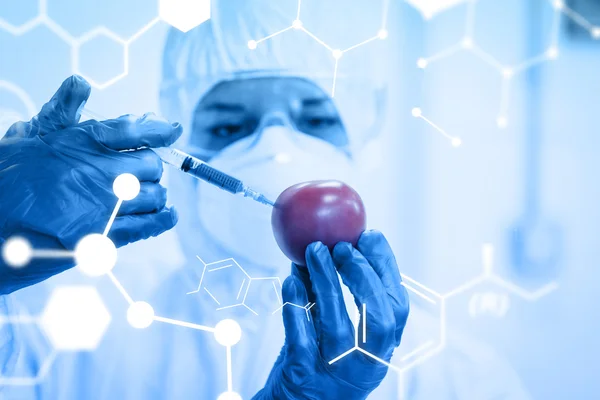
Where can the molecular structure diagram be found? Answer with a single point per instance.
(96, 255)
(469, 44)
(241, 297)
(336, 53)
(428, 350)
(182, 15)
(421, 352)
(306, 308)
(364, 339)
(489, 303)
(187, 15)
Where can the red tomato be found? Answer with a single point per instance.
(325, 211)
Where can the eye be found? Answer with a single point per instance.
(226, 130)
(321, 122)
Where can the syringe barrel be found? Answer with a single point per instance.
(199, 169)
(171, 156)
(213, 176)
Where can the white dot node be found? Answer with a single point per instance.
(427, 15)
(229, 396)
(507, 72)
(422, 63)
(456, 142)
(502, 122)
(559, 4)
(552, 53)
(17, 252)
(382, 34)
(228, 332)
(297, 24)
(95, 255)
(337, 54)
(126, 187)
(416, 112)
(140, 314)
(467, 43)
(596, 32)
(252, 44)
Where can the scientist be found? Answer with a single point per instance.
(57, 174)
(264, 116)
(80, 161)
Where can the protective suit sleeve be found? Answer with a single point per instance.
(9, 345)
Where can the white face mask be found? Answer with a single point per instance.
(268, 161)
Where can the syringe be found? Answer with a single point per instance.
(201, 170)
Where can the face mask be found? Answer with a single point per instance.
(268, 161)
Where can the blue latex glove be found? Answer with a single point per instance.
(302, 370)
(57, 174)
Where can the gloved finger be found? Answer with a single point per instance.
(300, 335)
(369, 294)
(131, 228)
(302, 274)
(300, 348)
(376, 249)
(64, 108)
(145, 164)
(129, 132)
(152, 198)
(335, 328)
(62, 111)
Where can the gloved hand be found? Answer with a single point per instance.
(302, 370)
(57, 174)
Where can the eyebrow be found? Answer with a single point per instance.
(316, 101)
(239, 108)
(230, 107)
